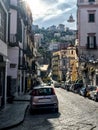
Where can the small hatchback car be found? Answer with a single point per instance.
(43, 97)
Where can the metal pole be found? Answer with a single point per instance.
(20, 82)
(5, 94)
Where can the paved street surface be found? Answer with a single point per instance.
(14, 113)
(75, 113)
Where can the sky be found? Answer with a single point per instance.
(53, 12)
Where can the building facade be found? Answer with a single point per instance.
(65, 65)
(87, 17)
(72, 71)
(17, 56)
(56, 74)
(3, 52)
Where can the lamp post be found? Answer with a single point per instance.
(71, 20)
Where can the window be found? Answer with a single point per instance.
(43, 91)
(64, 62)
(2, 24)
(91, 17)
(91, 0)
(91, 42)
(81, 1)
(12, 65)
(72, 52)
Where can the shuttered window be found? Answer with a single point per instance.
(91, 0)
(2, 24)
(91, 42)
(91, 17)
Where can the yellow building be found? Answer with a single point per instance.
(59, 67)
(73, 63)
(65, 64)
(55, 65)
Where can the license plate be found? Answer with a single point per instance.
(44, 100)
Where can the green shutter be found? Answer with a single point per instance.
(87, 42)
(95, 42)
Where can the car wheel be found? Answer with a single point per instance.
(96, 99)
(31, 111)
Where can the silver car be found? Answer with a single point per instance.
(43, 97)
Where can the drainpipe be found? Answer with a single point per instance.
(6, 60)
(5, 96)
(24, 73)
(24, 81)
(20, 89)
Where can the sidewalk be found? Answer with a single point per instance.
(13, 114)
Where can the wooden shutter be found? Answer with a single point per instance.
(95, 42)
(87, 42)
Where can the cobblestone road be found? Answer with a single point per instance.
(75, 113)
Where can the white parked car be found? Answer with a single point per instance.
(43, 97)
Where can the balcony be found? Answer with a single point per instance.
(28, 52)
(22, 63)
(29, 29)
(86, 2)
(33, 66)
(22, 11)
(13, 4)
(91, 48)
(32, 37)
(13, 40)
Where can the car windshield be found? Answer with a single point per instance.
(92, 88)
(43, 91)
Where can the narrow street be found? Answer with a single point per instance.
(75, 113)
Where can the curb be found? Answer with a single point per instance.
(14, 125)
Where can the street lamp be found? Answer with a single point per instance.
(72, 73)
(71, 20)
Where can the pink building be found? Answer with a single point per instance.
(87, 23)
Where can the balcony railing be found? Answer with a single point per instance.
(13, 40)
(22, 63)
(28, 52)
(32, 37)
(91, 48)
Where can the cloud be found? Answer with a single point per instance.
(56, 20)
(63, 6)
(56, 12)
(49, 2)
